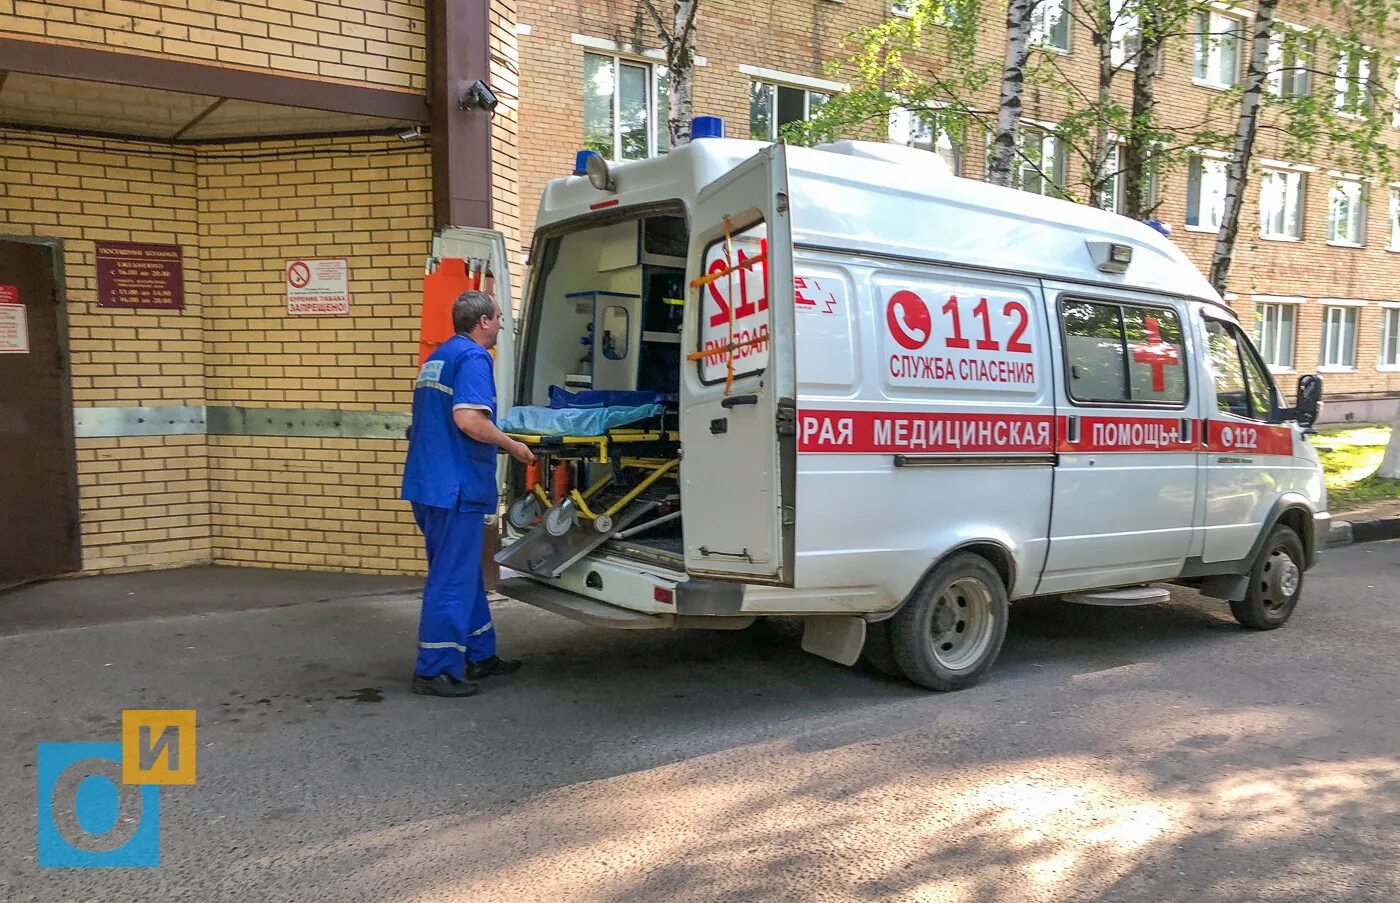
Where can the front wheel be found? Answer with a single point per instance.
(1275, 582)
(949, 634)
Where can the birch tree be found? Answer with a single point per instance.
(1013, 83)
(1237, 170)
(678, 38)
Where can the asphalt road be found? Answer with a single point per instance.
(1147, 754)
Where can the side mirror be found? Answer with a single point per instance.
(1309, 403)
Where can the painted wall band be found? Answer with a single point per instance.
(326, 423)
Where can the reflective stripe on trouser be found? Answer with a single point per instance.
(456, 621)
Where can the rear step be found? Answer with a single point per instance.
(601, 614)
(1127, 595)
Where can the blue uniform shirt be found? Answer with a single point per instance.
(446, 468)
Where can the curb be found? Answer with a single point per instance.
(1344, 532)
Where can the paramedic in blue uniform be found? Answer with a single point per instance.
(450, 478)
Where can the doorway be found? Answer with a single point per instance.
(38, 455)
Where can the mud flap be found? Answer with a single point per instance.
(835, 637)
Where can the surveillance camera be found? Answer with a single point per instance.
(412, 134)
(479, 95)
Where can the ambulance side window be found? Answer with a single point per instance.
(1123, 354)
(1242, 387)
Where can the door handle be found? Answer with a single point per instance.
(1186, 424)
(734, 401)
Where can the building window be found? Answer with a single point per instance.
(1352, 94)
(1205, 193)
(1281, 204)
(1124, 34)
(1276, 331)
(621, 100)
(1395, 219)
(772, 106)
(1290, 63)
(941, 12)
(1050, 24)
(1218, 39)
(1390, 338)
(1040, 162)
(926, 132)
(1339, 337)
(1346, 222)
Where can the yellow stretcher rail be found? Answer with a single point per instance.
(581, 498)
(601, 443)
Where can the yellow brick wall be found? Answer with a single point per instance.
(327, 504)
(293, 502)
(380, 42)
(143, 501)
(799, 37)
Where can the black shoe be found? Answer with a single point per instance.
(491, 667)
(443, 685)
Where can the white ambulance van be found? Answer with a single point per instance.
(899, 400)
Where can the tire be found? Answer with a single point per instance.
(1275, 582)
(878, 651)
(951, 631)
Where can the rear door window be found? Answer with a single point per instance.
(1123, 354)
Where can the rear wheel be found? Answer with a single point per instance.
(950, 632)
(1275, 582)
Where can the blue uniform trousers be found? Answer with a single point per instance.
(456, 622)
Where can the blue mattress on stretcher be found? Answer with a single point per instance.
(541, 421)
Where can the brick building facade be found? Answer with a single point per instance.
(1300, 282)
(247, 134)
(252, 132)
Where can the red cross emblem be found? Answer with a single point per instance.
(1157, 354)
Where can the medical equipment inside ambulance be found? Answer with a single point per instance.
(598, 397)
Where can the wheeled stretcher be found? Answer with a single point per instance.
(600, 486)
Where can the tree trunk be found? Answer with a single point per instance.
(1237, 174)
(1137, 152)
(1390, 464)
(680, 64)
(1100, 177)
(1013, 83)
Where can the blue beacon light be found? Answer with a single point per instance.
(706, 127)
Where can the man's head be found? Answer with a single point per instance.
(475, 315)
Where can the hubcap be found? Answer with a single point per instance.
(1281, 579)
(961, 626)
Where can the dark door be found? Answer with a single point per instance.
(38, 462)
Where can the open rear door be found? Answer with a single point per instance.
(739, 383)
(488, 247)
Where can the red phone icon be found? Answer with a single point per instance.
(909, 320)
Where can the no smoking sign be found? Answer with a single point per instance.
(318, 287)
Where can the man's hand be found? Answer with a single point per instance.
(520, 452)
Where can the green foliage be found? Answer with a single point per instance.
(927, 62)
(1350, 457)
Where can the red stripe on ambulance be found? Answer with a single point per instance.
(909, 432)
(1240, 439)
(1125, 434)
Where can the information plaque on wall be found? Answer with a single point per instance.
(140, 276)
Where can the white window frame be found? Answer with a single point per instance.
(1278, 60)
(1360, 61)
(774, 79)
(1214, 159)
(1390, 331)
(1270, 350)
(1053, 182)
(1208, 45)
(1299, 181)
(655, 72)
(1359, 211)
(901, 132)
(1346, 345)
(1394, 218)
(1042, 25)
(1124, 36)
